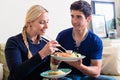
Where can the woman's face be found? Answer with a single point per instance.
(39, 26)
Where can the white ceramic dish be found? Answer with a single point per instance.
(67, 58)
(65, 70)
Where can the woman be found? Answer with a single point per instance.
(27, 53)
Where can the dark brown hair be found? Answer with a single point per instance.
(82, 6)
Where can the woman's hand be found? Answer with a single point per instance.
(49, 48)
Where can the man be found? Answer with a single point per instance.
(83, 41)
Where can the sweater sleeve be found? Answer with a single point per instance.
(18, 63)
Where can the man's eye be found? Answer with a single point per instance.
(79, 17)
(72, 16)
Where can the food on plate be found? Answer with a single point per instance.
(59, 72)
(66, 54)
(63, 54)
(75, 54)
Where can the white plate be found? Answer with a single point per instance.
(65, 70)
(67, 58)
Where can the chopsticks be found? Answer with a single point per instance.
(50, 40)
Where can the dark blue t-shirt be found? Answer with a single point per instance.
(91, 47)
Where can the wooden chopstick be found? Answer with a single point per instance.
(52, 39)
(48, 41)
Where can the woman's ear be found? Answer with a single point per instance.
(28, 24)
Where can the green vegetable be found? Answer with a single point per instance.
(75, 54)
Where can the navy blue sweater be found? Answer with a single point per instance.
(22, 68)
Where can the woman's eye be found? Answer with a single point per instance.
(43, 22)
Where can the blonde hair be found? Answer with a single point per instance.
(33, 13)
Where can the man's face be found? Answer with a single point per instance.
(78, 20)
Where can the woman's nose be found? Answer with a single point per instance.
(46, 25)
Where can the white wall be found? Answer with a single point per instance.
(12, 16)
